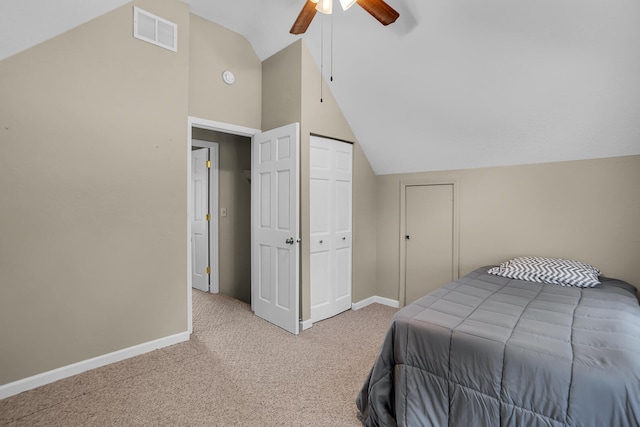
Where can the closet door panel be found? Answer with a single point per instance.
(320, 214)
(321, 296)
(342, 262)
(342, 206)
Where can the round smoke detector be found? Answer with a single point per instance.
(228, 77)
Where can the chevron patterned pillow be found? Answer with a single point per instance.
(555, 271)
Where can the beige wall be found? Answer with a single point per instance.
(364, 227)
(234, 242)
(586, 210)
(282, 88)
(92, 187)
(93, 247)
(214, 49)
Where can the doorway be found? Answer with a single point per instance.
(201, 130)
(274, 226)
(230, 212)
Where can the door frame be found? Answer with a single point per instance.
(200, 123)
(403, 230)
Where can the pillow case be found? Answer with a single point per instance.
(554, 271)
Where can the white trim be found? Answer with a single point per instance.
(253, 308)
(220, 127)
(305, 324)
(189, 254)
(214, 232)
(29, 383)
(375, 300)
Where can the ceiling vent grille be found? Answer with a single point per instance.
(153, 29)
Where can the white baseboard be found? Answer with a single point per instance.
(375, 300)
(305, 324)
(29, 383)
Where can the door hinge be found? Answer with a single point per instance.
(208, 217)
(208, 164)
(208, 270)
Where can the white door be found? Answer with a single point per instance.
(200, 219)
(342, 166)
(331, 233)
(275, 247)
(429, 239)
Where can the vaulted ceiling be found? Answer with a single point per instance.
(451, 84)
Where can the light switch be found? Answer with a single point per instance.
(223, 212)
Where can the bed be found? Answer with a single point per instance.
(488, 350)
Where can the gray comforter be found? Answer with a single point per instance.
(490, 351)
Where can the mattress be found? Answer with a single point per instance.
(486, 350)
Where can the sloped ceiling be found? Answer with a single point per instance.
(452, 84)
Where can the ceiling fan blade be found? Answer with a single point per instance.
(380, 10)
(304, 18)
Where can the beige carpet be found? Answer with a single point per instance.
(237, 369)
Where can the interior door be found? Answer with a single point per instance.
(199, 221)
(429, 239)
(275, 205)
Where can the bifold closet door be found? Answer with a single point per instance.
(331, 226)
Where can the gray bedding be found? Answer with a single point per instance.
(486, 350)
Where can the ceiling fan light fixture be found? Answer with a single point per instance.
(379, 9)
(325, 6)
(346, 4)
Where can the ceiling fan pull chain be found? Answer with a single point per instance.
(321, 54)
(331, 49)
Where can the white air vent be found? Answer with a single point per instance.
(153, 29)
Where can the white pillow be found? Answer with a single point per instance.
(553, 271)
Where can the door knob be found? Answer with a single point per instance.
(407, 237)
(289, 241)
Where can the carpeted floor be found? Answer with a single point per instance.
(237, 369)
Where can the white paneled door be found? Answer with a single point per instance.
(199, 221)
(275, 215)
(331, 233)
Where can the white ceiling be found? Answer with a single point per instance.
(452, 84)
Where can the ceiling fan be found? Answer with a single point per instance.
(377, 8)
